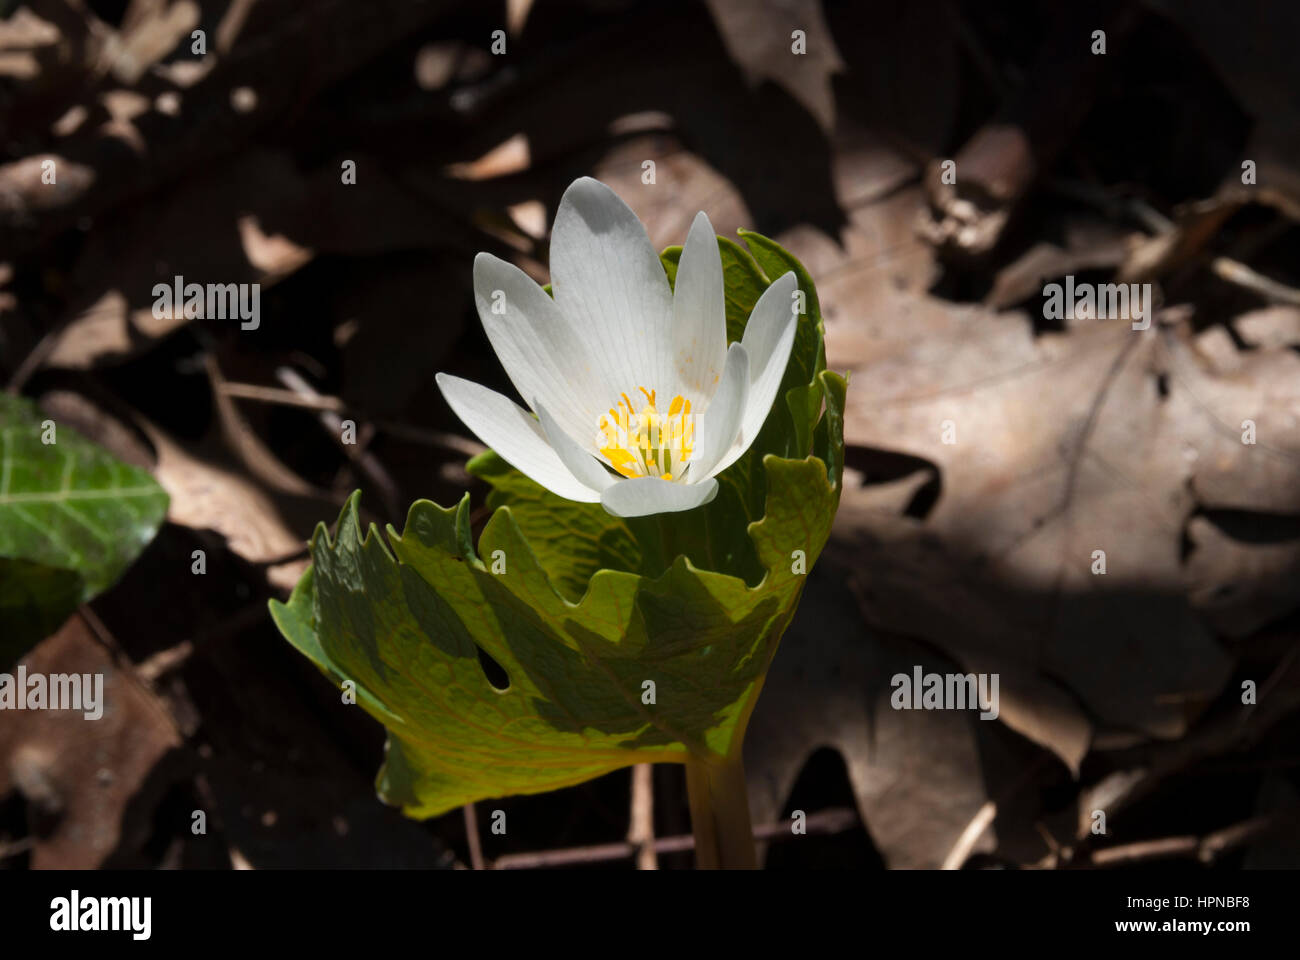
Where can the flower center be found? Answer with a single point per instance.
(648, 443)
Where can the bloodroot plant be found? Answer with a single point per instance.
(656, 509)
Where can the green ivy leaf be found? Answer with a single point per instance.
(581, 610)
(34, 602)
(72, 519)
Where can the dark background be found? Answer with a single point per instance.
(1120, 693)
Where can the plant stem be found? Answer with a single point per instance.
(724, 836)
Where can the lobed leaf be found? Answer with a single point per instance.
(623, 641)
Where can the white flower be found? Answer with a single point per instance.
(640, 403)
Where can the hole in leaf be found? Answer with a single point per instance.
(495, 673)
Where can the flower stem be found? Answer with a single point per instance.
(724, 836)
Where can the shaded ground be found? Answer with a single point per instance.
(1120, 693)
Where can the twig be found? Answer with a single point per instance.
(99, 630)
(232, 24)
(286, 398)
(240, 437)
(985, 815)
(641, 831)
(577, 855)
(32, 362)
(301, 553)
(970, 836)
(165, 661)
(472, 838)
(1111, 204)
(1144, 850)
(363, 459)
(319, 401)
(825, 822)
(1229, 838)
(1205, 849)
(237, 859)
(102, 634)
(1238, 273)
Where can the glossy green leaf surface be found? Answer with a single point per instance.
(72, 518)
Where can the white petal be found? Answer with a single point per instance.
(720, 422)
(768, 338)
(699, 314)
(643, 496)
(610, 285)
(541, 355)
(577, 460)
(508, 429)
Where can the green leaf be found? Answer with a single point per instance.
(34, 602)
(573, 540)
(578, 608)
(800, 386)
(743, 281)
(407, 628)
(671, 259)
(72, 519)
(712, 536)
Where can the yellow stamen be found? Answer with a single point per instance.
(647, 444)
